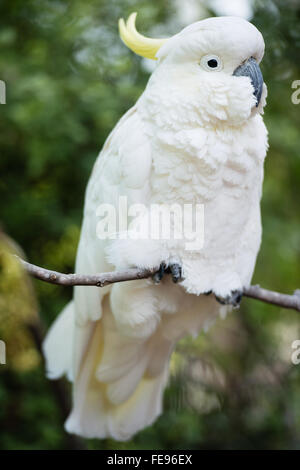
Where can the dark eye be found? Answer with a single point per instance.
(211, 62)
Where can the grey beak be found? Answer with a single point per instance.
(252, 70)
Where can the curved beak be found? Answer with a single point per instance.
(252, 70)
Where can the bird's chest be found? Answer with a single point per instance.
(196, 164)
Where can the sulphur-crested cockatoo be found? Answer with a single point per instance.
(194, 137)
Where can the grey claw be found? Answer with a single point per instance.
(176, 272)
(157, 277)
(233, 299)
(174, 269)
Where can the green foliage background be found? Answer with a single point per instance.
(69, 79)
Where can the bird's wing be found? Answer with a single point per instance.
(122, 169)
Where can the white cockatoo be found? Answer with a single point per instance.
(195, 136)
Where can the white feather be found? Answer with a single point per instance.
(57, 347)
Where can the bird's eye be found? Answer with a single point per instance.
(211, 63)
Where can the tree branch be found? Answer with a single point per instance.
(104, 279)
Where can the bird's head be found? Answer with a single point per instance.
(211, 66)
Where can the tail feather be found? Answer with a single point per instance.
(57, 347)
(120, 354)
(119, 387)
(141, 410)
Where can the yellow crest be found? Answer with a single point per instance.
(146, 47)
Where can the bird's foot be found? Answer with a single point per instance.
(157, 277)
(174, 269)
(233, 299)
